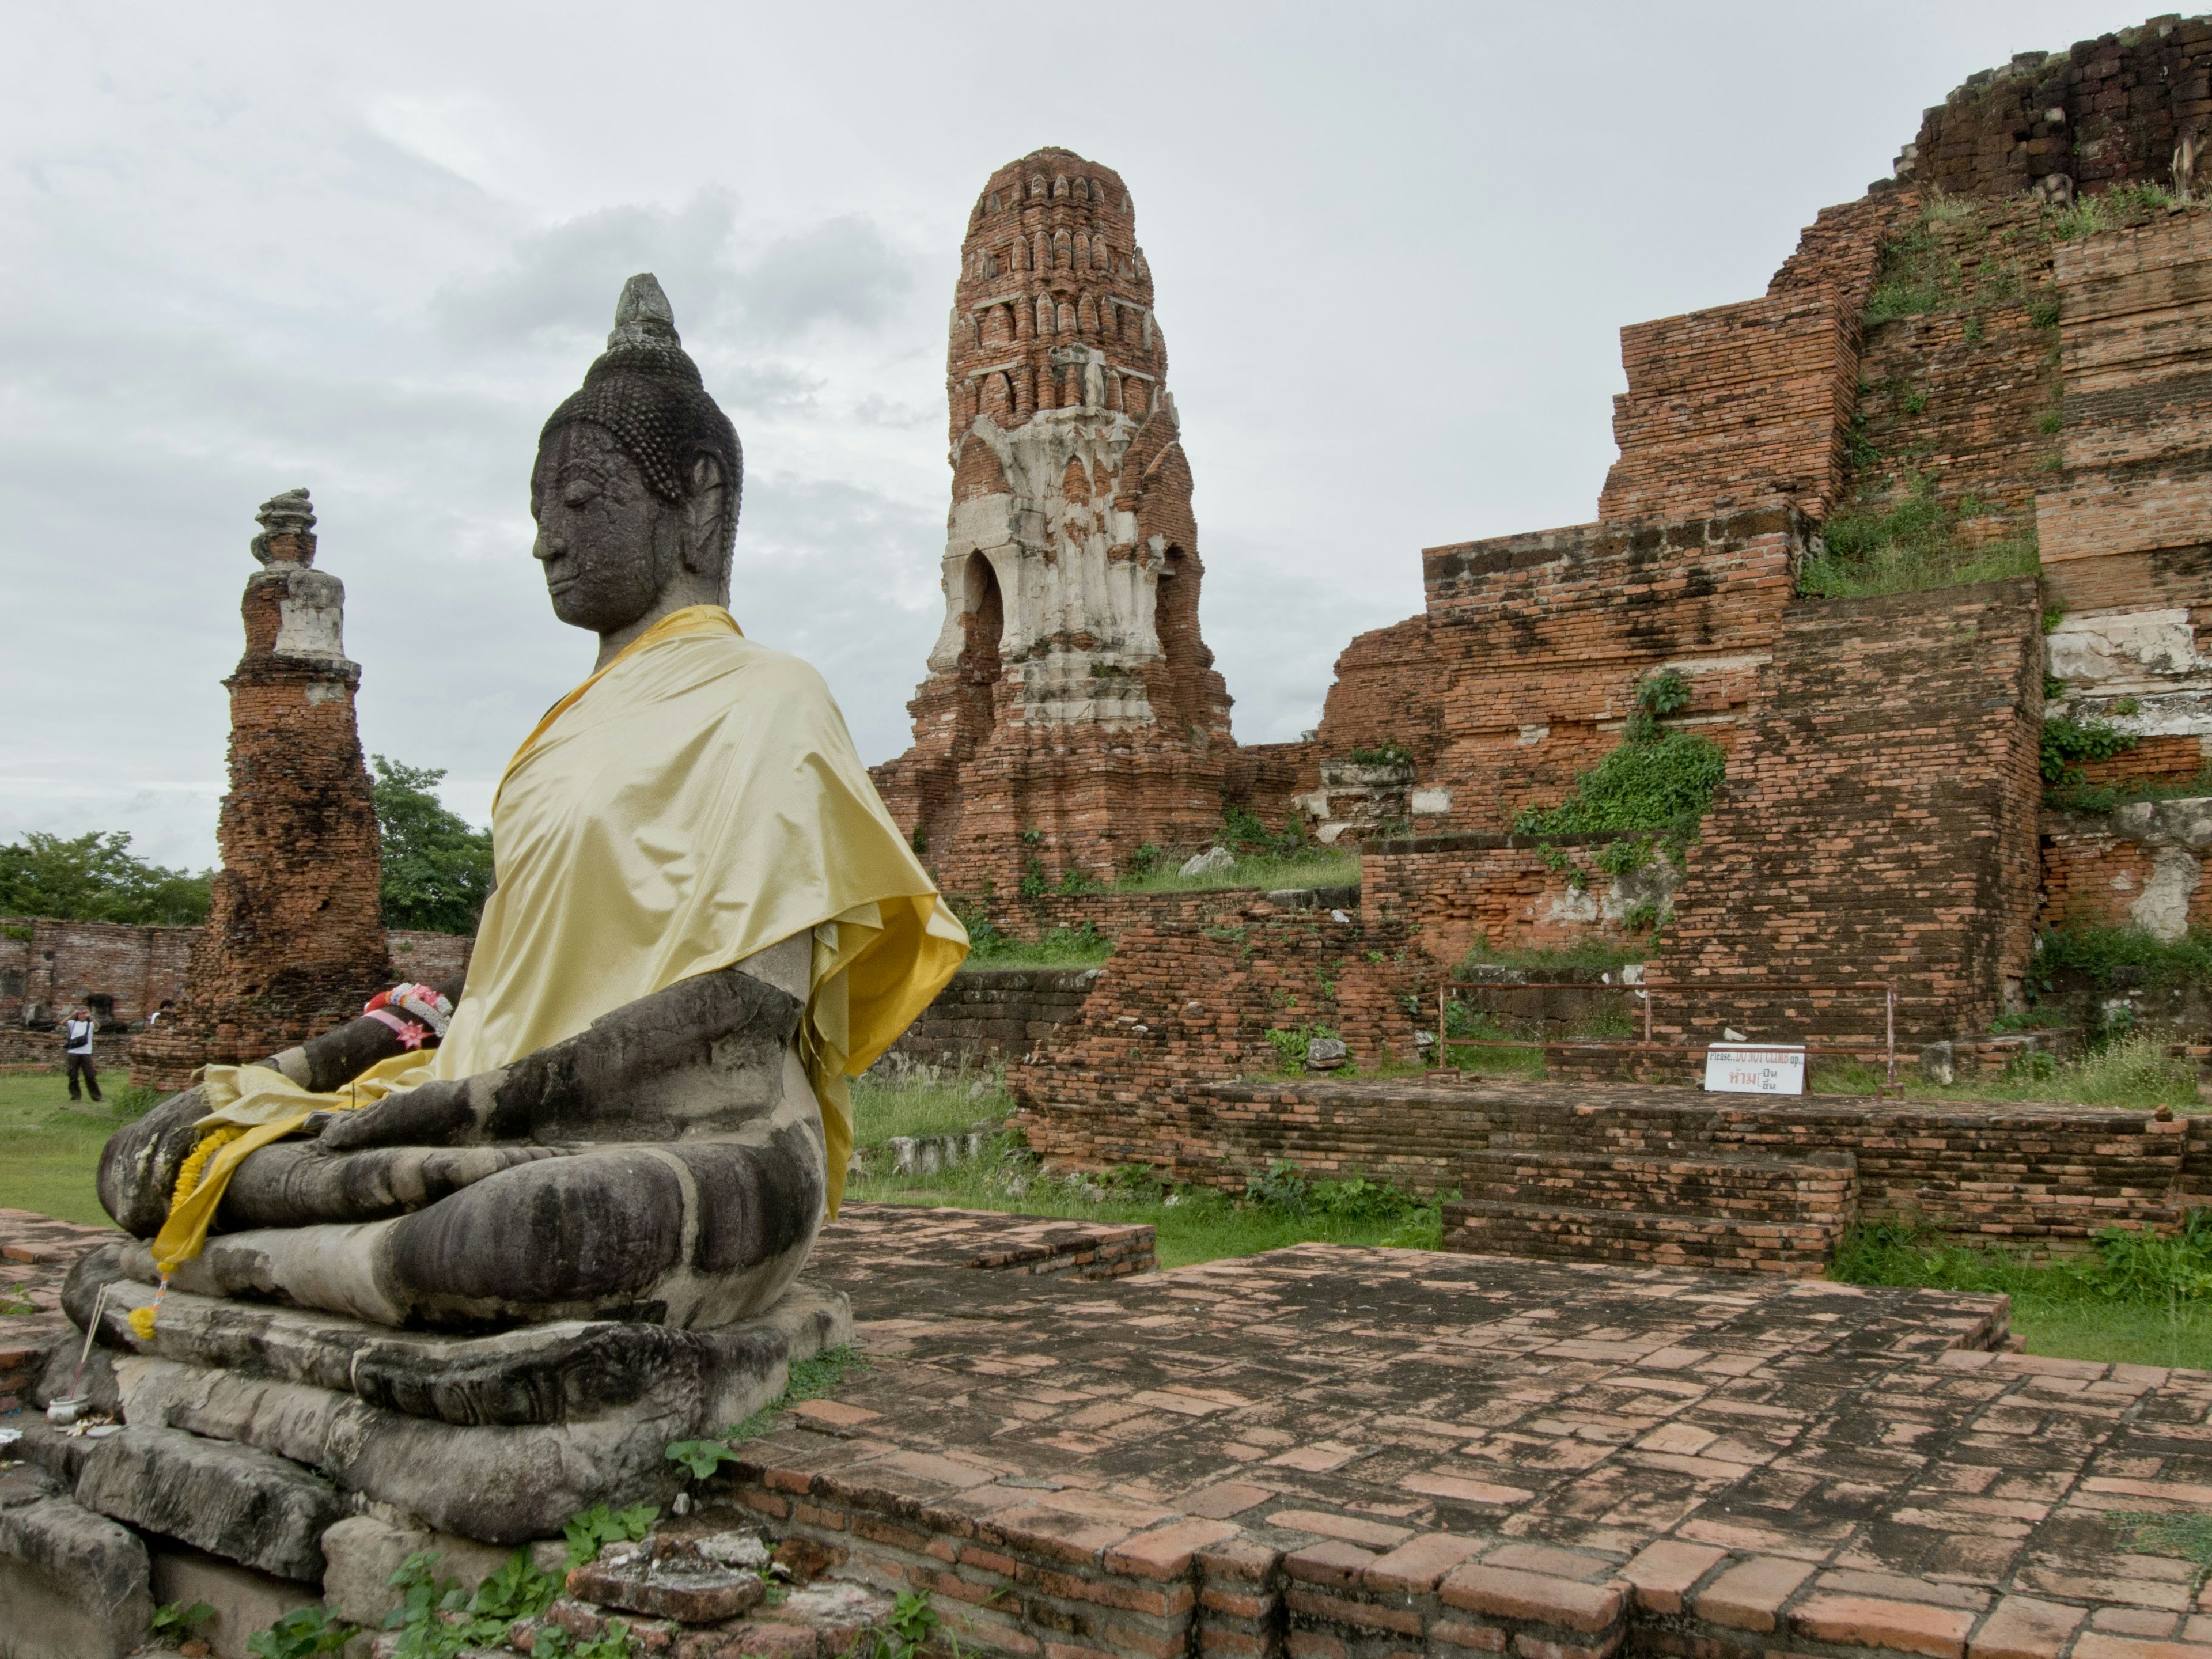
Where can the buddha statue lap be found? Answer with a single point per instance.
(704, 922)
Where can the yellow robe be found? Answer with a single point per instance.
(695, 801)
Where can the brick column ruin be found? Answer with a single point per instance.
(294, 942)
(1072, 713)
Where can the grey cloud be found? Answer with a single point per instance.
(873, 410)
(561, 281)
(840, 270)
(564, 279)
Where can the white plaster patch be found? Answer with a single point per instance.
(2139, 648)
(1430, 802)
(1576, 904)
(1535, 733)
(2163, 910)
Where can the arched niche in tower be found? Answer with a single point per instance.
(983, 621)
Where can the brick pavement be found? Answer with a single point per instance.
(1330, 1453)
(35, 1252)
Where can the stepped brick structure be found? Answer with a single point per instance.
(1072, 713)
(294, 939)
(1879, 821)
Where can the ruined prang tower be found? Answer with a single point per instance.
(294, 943)
(1071, 714)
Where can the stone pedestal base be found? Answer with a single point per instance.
(255, 1434)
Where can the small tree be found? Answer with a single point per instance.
(94, 877)
(437, 870)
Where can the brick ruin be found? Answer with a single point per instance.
(294, 939)
(1071, 714)
(1882, 815)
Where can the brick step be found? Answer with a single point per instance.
(1797, 1249)
(1720, 1185)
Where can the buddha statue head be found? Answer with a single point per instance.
(637, 482)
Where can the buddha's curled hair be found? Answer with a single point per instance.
(646, 391)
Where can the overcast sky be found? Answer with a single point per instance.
(367, 249)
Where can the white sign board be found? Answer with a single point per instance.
(1755, 1071)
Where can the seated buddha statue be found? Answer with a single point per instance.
(703, 922)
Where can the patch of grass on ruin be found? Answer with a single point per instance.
(2139, 1299)
(2105, 797)
(1908, 545)
(54, 1147)
(1319, 866)
(1917, 271)
(2131, 1071)
(1063, 947)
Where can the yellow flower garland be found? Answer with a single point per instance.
(188, 1179)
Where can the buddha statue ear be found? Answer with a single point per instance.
(707, 537)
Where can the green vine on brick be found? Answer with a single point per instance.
(2067, 744)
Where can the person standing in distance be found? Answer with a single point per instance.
(76, 1053)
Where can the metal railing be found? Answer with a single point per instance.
(1647, 995)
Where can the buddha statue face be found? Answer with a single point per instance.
(610, 548)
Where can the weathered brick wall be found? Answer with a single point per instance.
(1740, 403)
(2129, 525)
(429, 958)
(1183, 1004)
(994, 1013)
(294, 939)
(1954, 403)
(1840, 252)
(2048, 1177)
(52, 965)
(1521, 673)
(2105, 112)
(1459, 892)
(1878, 821)
(48, 967)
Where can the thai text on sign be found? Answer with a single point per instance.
(1755, 1071)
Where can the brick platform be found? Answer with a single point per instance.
(1329, 1453)
(2048, 1176)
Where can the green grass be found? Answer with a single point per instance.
(925, 1101)
(54, 1147)
(1318, 867)
(2105, 797)
(2140, 1300)
(1908, 546)
(1063, 947)
(1190, 1223)
(2133, 1072)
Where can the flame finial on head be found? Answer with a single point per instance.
(643, 314)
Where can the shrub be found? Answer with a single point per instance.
(2068, 742)
(1384, 754)
(1658, 786)
(2104, 955)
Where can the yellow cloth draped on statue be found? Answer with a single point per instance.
(696, 800)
